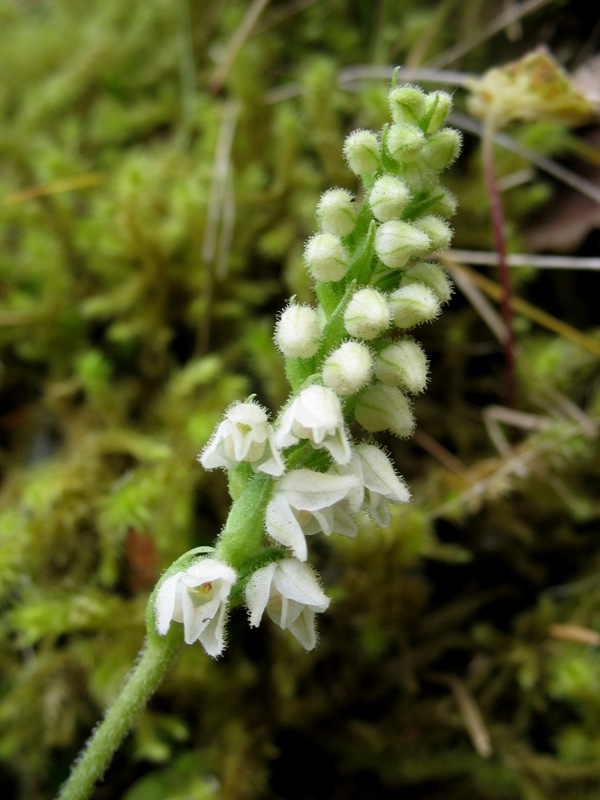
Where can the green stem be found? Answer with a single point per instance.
(156, 657)
(244, 529)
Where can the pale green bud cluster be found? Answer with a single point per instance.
(325, 257)
(297, 332)
(336, 212)
(388, 198)
(371, 262)
(362, 152)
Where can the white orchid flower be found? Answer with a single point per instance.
(305, 502)
(290, 594)
(380, 485)
(197, 597)
(244, 435)
(316, 415)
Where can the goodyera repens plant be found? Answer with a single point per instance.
(351, 363)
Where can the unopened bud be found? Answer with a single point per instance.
(297, 332)
(413, 304)
(419, 177)
(396, 242)
(438, 230)
(325, 257)
(407, 104)
(388, 198)
(431, 275)
(437, 107)
(442, 149)
(403, 364)
(336, 212)
(404, 142)
(348, 369)
(446, 203)
(385, 408)
(367, 315)
(361, 150)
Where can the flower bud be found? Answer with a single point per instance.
(404, 141)
(325, 257)
(430, 275)
(403, 364)
(442, 149)
(361, 150)
(437, 107)
(419, 177)
(413, 304)
(348, 369)
(388, 198)
(297, 332)
(446, 203)
(407, 104)
(438, 230)
(336, 212)
(396, 242)
(367, 315)
(385, 408)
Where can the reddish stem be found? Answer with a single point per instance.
(499, 233)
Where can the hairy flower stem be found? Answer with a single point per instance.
(498, 229)
(156, 657)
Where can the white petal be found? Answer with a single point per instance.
(283, 526)
(165, 603)
(379, 475)
(211, 457)
(304, 629)
(298, 582)
(273, 464)
(258, 590)
(335, 520)
(212, 637)
(308, 490)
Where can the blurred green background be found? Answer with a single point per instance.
(160, 163)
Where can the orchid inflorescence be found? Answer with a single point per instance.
(349, 362)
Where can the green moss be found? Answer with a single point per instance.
(141, 268)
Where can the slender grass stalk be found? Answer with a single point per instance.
(498, 229)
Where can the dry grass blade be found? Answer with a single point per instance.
(480, 303)
(470, 713)
(574, 633)
(56, 187)
(504, 20)
(513, 464)
(524, 308)
(566, 176)
(489, 259)
(235, 45)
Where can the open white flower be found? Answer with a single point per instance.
(379, 483)
(305, 502)
(244, 435)
(290, 594)
(197, 597)
(316, 415)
